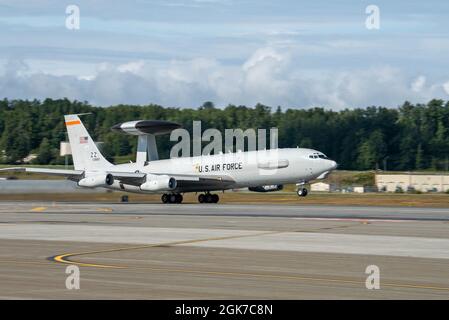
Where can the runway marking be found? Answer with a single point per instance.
(270, 276)
(38, 209)
(65, 258)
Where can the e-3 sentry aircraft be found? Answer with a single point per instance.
(260, 171)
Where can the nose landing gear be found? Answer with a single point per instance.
(208, 198)
(302, 192)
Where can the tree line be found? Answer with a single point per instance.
(411, 137)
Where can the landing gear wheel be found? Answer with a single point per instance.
(302, 192)
(164, 198)
(179, 198)
(172, 198)
(208, 198)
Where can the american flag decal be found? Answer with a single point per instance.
(84, 139)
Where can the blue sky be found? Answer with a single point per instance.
(184, 52)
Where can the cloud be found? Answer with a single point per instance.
(270, 75)
(446, 87)
(419, 84)
(133, 66)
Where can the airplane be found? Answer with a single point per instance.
(259, 171)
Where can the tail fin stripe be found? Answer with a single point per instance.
(71, 123)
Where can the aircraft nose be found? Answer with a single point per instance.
(333, 164)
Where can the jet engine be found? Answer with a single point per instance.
(158, 183)
(267, 188)
(98, 180)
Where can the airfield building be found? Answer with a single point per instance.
(412, 182)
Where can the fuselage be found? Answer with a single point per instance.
(245, 169)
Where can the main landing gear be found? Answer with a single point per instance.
(177, 198)
(302, 192)
(208, 198)
(172, 198)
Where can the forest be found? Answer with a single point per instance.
(410, 137)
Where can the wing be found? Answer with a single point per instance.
(184, 182)
(76, 175)
(70, 174)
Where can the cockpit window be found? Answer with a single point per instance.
(317, 155)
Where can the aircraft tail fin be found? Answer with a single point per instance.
(85, 153)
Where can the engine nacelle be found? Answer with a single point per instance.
(268, 188)
(158, 183)
(98, 180)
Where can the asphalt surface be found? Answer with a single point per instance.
(262, 210)
(152, 251)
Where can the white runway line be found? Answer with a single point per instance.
(111, 234)
(340, 243)
(418, 247)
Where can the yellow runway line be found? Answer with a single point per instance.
(64, 258)
(243, 274)
(254, 275)
(38, 209)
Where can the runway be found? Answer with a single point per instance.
(153, 251)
